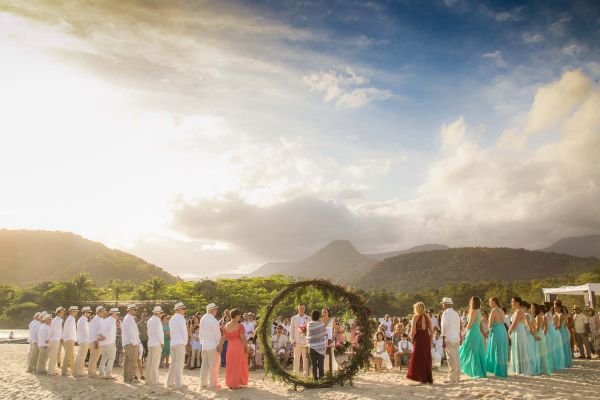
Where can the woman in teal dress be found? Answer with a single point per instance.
(496, 358)
(166, 351)
(472, 349)
(542, 345)
(564, 333)
(555, 339)
(519, 355)
(534, 357)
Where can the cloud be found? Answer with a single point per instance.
(559, 27)
(342, 87)
(573, 50)
(532, 38)
(496, 56)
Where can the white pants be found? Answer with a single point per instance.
(80, 362)
(93, 361)
(41, 367)
(300, 352)
(108, 351)
(176, 368)
(32, 357)
(453, 361)
(152, 365)
(209, 370)
(53, 349)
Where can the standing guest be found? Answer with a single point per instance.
(210, 340)
(316, 338)
(249, 325)
(286, 326)
(581, 326)
(166, 352)
(554, 337)
(196, 348)
(435, 323)
(143, 328)
(472, 349)
(69, 338)
(236, 373)
(485, 327)
(419, 366)
(107, 337)
(437, 351)
(224, 320)
(156, 340)
(55, 339)
(32, 356)
(95, 324)
(541, 344)
(594, 319)
(387, 324)
(43, 340)
(118, 345)
(130, 336)
(451, 328)
(279, 342)
(519, 355)
(83, 339)
(534, 357)
(564, 333)
(496, 360)
(506, 318)
(179, 339)
(298, 326)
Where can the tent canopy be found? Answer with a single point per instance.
(588, 289)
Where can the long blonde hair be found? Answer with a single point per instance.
(419, 308)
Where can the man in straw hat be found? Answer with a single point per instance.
(94, 346)
(55, 339)
(43, 341)
(34, 326)
(179, 339)
(83, 339)
(130, 335)
(156, 342)
(69, 338)
(210, 340)
(107, 337)
(451, 339)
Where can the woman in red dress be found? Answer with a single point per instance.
(236, 370)
(419, 366)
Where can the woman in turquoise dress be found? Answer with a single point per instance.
(534, 357)
(542, 345)
(166, 351)
(565, 335)
(554, 338)
(496, 358)
(519, 355)
(472, 349)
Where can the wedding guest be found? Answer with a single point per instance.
(380, 353)
(594, 319)
(34, 350)
(437, 351)
(249, 325)
(279, 342)
(55, 340)
(316, 337)
(43, 340)
(179, 339)
(196, 348)
(286, 326)
(472, 349)
(156, 342)
(496, 360)
(581, 326)
(404, 349)
(435, 323)
(166, 351)
(387, 324)
(143, 329)
(107, 336)
(329, 323)
(519, 355)
(485, 327)
(210, 340)
(130, 336)
(298, 326)
(224, 320)
(451, 329)
(94, 346)
(83, 339)
(236, 373)
(419, 366)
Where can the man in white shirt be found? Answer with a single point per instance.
(279, 343)
(210, 341)
(387, 324)
(403, 351)
(42, 342)
(582, 339)
(32, 356)
(94, 346)
(130, 335)
(83, 339)
(55, 339)
(179, 339)
(69, 338)
(435, 323)
(249, 325)
(156, 341)
(107, 336)
(451, 328)
(298, 326)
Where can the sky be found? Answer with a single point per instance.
(210, 137)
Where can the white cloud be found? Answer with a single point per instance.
(496, 56)
(559, 27)
(573, 50)
(532, 38)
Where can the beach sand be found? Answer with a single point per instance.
(580, 382)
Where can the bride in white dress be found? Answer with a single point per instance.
(329, 325)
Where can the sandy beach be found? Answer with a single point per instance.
(580, 382)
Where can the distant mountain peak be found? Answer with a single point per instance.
(338, 246)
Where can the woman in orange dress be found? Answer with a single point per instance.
(236, 370)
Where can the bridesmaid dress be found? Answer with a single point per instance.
(472, 350)
(555, 344)
(542, 348)
(419, 366)
(534, 356)
(519, 355)
(566, 342)
(496, 360)
(236, 372)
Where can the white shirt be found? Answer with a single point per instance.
(156, 335)
(108, 329)
(579, 321)
(451, 326)
(95, 327)
(56, 329)
(434, 322)
(179, 332)
(70, 329)
(388, 328)
(42, 335)
(249, 328)
(405, 346)
(295, 335)
(210, 332)
(83, 331)
(130, 333)
(279, 342)
(34, 327)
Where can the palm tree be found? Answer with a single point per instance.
(118, 287)
(83, 285)
(156, 286)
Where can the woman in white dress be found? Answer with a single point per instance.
(380, 352)
(437, 350)
(329, 326)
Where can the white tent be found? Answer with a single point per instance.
(588, 289)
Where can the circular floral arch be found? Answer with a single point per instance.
(345, 373)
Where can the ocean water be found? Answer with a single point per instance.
(19, 333)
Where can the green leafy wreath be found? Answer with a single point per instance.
(345, 374)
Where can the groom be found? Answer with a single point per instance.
(451, 339)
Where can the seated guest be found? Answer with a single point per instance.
(403, 351)
(380, 353)
(279, 343)
(437, 351)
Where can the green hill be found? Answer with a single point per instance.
(30, 257)
(414, 272)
